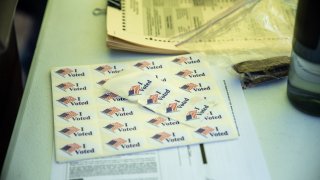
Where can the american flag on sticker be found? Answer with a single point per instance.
(64, 71)
(188, 87)
(69, 130)
(153, 99)
(70, 148)
(66, 100)
(204, 130)
(142, 65)
(184, 73)
(161, 136)
(102, 82)
(172, 107)
(134, 90)
(103, 69)
(191, 115)
(180, 60)
(68, 115)
(115, 143)
(157, 121)
(114, 126)
(65, 86)
(111, 111)
(108, 96)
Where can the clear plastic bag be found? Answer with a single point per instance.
(257, 30)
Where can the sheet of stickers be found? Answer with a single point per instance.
(119, 108)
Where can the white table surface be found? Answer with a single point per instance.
(71, 35)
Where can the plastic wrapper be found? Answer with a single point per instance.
(258, 29)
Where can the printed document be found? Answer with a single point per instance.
(160, 26)
(225, 160)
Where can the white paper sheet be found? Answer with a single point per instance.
(240, 159)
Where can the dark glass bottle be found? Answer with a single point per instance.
(304, 76)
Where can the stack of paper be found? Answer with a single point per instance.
(153, 26)
(172, 27)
